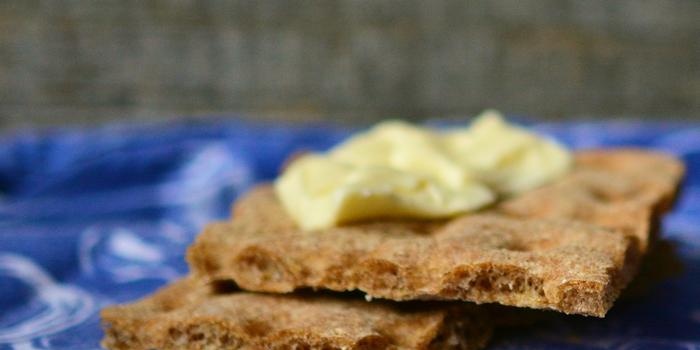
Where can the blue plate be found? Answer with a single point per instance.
(92, 217)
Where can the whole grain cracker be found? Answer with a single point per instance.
(523, 253)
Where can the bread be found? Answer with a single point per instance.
(524, 253)
(190, 314)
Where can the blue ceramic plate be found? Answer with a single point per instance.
(91, 217)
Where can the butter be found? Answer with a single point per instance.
(508, 158)
(398, 170)
(319, 192)
(406, 148)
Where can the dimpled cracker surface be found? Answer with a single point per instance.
(624, 189)
(191, 315)
(570, 261)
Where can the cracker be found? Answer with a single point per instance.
(568, 266)
(189, 314)
(570, 263)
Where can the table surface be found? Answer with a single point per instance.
(92, 217)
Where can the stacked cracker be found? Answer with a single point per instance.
(569, 246)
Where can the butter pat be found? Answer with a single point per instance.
(407, 148)
(397, 170)
(508, 158)
(320, 192)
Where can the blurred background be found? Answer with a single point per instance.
(348, 61)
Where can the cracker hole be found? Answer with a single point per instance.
(483, 283)
(174, 333)
(210, 266)
(224, 287)
(195, 337)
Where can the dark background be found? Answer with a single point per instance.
(88, 61)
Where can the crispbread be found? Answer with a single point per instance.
(567, 266)
(188, 314)
(624, 189)
(539, 259)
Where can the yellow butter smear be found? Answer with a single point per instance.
(398, 170)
